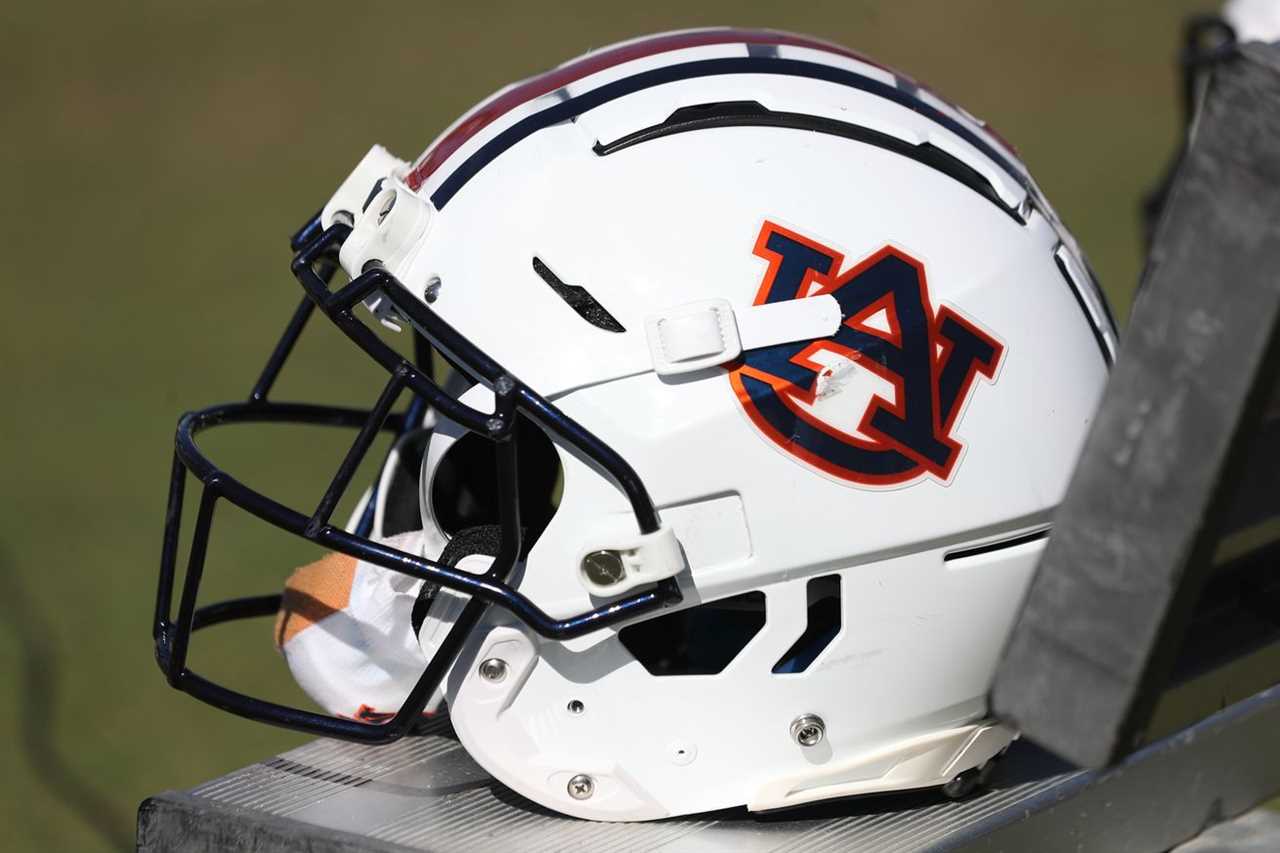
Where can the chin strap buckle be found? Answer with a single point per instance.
(711, 332)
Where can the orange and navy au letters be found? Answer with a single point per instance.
(930, 357)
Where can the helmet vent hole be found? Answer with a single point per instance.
(577, 298)
(823, 625)
(700, 640)
(388, 204)
(464, 487)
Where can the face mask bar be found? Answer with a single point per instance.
(317, 248)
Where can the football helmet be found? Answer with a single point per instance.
(768, 368)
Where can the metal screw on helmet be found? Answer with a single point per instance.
(575, 706)
(493, 669)
(504, 385)
(581, 787)
(603, 568)
(432, 291)
(808, 730)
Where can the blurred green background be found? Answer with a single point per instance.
(156, 156)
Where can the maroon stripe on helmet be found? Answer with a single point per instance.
(558, 78)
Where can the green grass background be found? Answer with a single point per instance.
(154, 158)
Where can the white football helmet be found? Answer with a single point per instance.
(1253, 20)
(770, 367)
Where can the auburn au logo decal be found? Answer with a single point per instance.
(875, 404)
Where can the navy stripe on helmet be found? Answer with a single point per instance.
(574, 107)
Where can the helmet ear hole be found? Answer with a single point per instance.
(464, 487)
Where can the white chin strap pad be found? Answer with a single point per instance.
(345, 630)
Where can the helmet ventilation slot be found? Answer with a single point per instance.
(700, 640)
(577, 298)
(823, 625)
(753, 114)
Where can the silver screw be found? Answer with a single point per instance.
(808, 730)
(575, 706)
(603, 568)
(493, 669)
(581, 787)
(504, 385)
(432, 291)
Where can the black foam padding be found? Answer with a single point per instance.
(482, 539)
